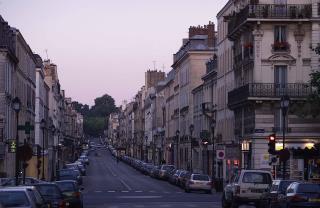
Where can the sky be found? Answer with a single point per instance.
(105, 46)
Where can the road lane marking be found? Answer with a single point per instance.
(98, 191)
(124, 191)
(111, 191)
(139, 197)
(166, 192)
(138, 191)
(125, 184)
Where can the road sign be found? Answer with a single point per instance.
(220, 154)
(284, 155)
(25, 152)
(12, 146)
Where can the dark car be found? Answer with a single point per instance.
(300, 194)
(28, 181)
(173, 179)
(71, 192)
(276, 195)
(182, 178)
(51, 194)
(70, 174)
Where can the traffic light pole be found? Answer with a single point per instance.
(283, 144)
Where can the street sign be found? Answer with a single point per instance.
(25, 152)
(220, 154)
(284, 155)
(12, 146)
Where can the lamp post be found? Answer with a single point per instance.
(53, 130)
(212, 125)
(245, 147)
(284, 104)
(146, 151)
(43, 126)
(177, 142)
(191, 129)
(16, 107)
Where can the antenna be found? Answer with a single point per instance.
(154, 65)
(163, 67)
(47, 54)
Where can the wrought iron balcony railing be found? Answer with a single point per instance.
(268, 11)
(268, 90)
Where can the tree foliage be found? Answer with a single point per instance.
(95, 118)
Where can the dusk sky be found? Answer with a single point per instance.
(105, 46)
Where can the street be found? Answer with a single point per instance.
(112, 185)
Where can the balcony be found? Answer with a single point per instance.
(264, 91)
(266, 12)
(280, 47)
(243, 59)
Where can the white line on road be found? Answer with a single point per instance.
(98, 191)
(124, 191)
(125, 184)
(139, 197)
(138, 191)
(111, 191)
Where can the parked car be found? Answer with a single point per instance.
(28, 181)
(173, 178)
(51, 194)
(164, 169)
(21, 196)
(70, 174)
(184, 178)
(247, 187)
(77, 166)
(71, 192)
(154, 173)
(301, 194)
(180, 177)
(276, 195)
(85, 159)
(198, 182)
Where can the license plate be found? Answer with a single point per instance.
(257, 190)
(314, 200)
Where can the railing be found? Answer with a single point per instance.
(280, 47)
(268, 90)
(269, 11)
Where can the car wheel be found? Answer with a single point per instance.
(224, 202)
(187, 190)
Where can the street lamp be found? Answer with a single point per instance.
(146, 151)
(53, 129)
(284, 104)
(42, 126)
(16, 107)
(177, 142)
(212, 125)
(191, 129)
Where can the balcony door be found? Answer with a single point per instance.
(280, 8)
(280, 79)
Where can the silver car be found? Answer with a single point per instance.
(198, 182)
(22, 197)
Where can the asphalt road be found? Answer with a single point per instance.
(109, 184)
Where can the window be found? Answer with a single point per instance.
(260, 178)
(280, 34)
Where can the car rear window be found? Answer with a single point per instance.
(255, 177)
(14, 199)
(49, 190)
(308, 188)
(200, 178)
(66, 186)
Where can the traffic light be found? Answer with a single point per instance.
(272, 144)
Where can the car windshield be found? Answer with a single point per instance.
(66, 186)
(66, 172)
(284, 185)
(167, 167)
(308, 188)
(14, 199)
(200, 178)
(50, 191)
(255, 177)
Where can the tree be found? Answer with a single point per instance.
(95, 118)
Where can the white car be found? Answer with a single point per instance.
(246, 188)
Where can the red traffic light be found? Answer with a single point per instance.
(272, 137)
